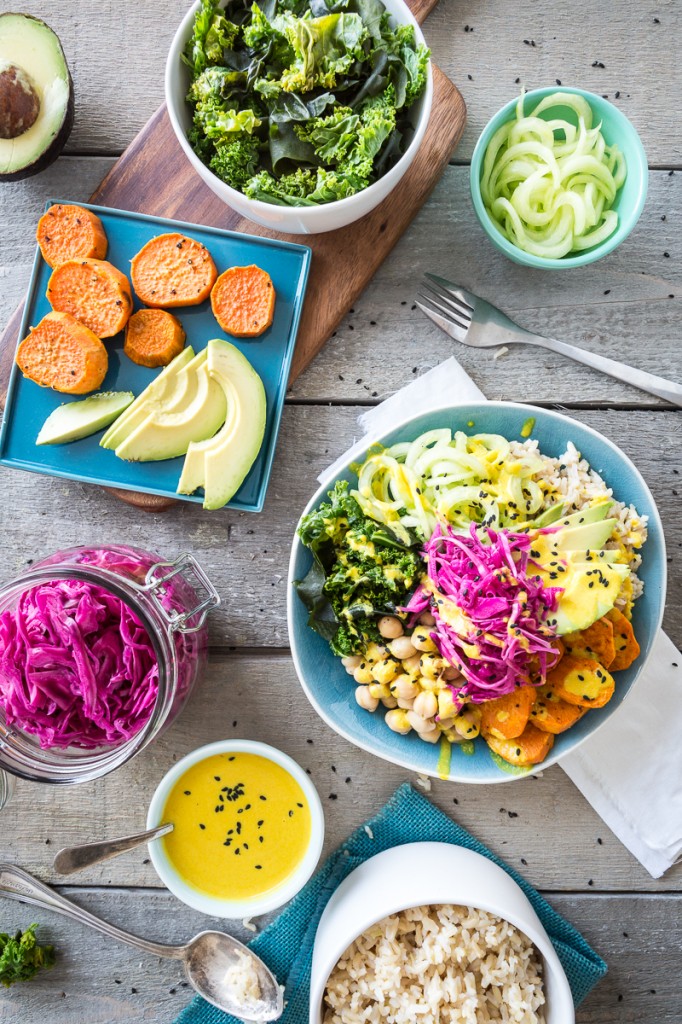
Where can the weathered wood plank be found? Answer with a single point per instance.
(620, 306)
(119, 82)
(101, 982)
(246, 555)
(262, 696)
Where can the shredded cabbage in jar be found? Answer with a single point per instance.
(548, 185)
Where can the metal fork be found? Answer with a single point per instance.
(475, 322)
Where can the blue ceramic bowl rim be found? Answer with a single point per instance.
(634, 150)
(450, 410)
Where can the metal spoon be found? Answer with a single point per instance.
(209, 959)
(75, 858)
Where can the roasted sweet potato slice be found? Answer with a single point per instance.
(581, 681)
(63, 354)
(552, 714)
(595, 642)
(154, 337)
(627, 648)
(243, 301)
(173, 270)
(69, 233)
(531, 747)
(93, 291)
(506, 717)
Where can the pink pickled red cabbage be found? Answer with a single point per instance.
(484, 573)
(77, 667)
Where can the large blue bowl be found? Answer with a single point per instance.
(323, 677)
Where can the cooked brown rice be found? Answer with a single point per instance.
(437, 965)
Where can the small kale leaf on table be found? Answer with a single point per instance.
(21, 957)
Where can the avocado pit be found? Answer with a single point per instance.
(19, 102)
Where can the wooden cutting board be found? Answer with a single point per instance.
(154, 177)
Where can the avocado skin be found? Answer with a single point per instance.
(49, 155)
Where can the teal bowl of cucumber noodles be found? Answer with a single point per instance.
(558, 178)
(477, 594)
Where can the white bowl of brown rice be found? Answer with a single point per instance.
(431, 933)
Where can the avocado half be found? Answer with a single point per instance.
(36, 96)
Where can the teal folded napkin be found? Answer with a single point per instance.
(286, 945)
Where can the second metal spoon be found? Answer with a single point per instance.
(220, 968)
(75, 858)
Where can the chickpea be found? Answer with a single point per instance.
(422, 641)
(402, 648)
(375, 652)
(426, 704)
(446, 704)
(468, 722)
(451, 673)
(397, 721)
(365, 699)
(403, 686)
(411, 665)
(431, 665)
(407, 703)
(351, 663)
(418, 722)
(379, 690)
(427, 619)
(390, 627)
(385, 671)
(445, 724)
(389, 702)
(432, 736)
(363, 674)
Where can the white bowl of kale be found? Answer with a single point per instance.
(302, 115)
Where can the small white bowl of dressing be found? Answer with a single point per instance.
(248, 829)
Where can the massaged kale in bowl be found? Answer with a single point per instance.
(300, 114)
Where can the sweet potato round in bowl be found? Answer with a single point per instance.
(331, 690)
(299, 220)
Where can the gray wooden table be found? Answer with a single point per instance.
(627, 306)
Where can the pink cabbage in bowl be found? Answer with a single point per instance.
(77, 667)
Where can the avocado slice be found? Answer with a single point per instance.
(593, 514)
(197, 410)
(589, 592)
(596, 557)
(75, 420)
(545, 547)
(221, 464)
(154, 396)
(36, 96)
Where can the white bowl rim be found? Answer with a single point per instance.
(531, 926)
(274, 898)
(313, 213)
(406, 761)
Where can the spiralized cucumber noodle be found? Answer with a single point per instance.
(460, 479)
(548, 185)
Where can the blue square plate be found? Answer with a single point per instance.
(29, 405)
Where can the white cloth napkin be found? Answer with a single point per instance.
(630, 771)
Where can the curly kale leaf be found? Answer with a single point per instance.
(212, 35)
(21, 957)
(324, 48)
(303, 187)
(236, 162)
(360, 571)
(352, 141)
